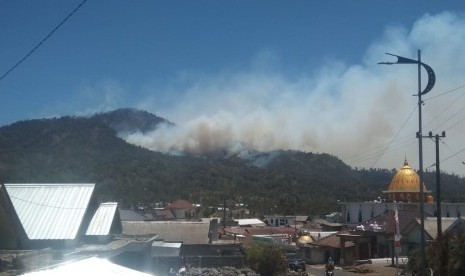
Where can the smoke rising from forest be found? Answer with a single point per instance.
(353, 111)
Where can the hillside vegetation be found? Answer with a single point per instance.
(88, 149)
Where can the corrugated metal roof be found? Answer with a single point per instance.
(333, 241)
(90, 266)
(50, 211)
(102, 220)
(130, 215)
(187, 232)
(252, 221)
(431, 226)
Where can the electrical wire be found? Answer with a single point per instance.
(444, 93)
(394, 137)
(447, 120)
(42, 41)
(47, 205)
(453, 155)
(367, 155)
(374, 153)
(445, 109)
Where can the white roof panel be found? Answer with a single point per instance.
(252, 221)
(102, 220)
(90, 266)
(50, 211)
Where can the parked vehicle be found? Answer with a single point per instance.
(297, 265)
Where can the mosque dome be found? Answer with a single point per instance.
(405, 186)
(405, 180)
(429, 199)
(305, 239)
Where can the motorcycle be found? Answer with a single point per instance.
(329, 271)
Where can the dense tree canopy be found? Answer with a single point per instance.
(87, 149)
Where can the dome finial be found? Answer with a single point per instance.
(405, 162)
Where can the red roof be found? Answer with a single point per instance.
(333, 241)
(180, 204)
(164, 214)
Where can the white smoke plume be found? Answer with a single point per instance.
(363, 113)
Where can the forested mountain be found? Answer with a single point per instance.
(88, 149)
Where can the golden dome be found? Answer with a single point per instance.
(405, 180)
(405, 186)
(429, 199)
(305, 239)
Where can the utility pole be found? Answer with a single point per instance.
(438, 182)
(438, 200)
(429, 86)
(296, 200)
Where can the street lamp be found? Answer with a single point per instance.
(429, 86)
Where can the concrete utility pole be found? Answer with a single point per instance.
(429, 86)
(438, 198)
(296, 200)
(438, 181)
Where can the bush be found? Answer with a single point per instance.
(267, 260)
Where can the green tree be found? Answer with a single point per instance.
(445, 256)
(457, 255)
(267, 260)
(438, 255)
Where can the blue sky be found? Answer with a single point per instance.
(270, 74)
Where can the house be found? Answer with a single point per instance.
(131, 215)
(249, 235)
(182, 209)
(327, 225)
(185, 242)
(44, 215)
(449, 226)
(105, 223)
(404, 193)
(187, 232)
(43, 225)
(250, 222)
(278, 220)
(375, 238)
(372, 224)
(319, 251)
(163, 214)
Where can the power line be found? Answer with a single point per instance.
(394, 137)
(445, 109)
(379, 151)
(453, 155)
(445, 92)
(380, 154)
(42, 41)
(47, 205)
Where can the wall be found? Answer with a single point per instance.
(162, 265)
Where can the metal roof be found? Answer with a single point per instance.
(102, 220)
(90, 266)
(252, 221)
(431, 227)
(186, 231)
(50, 211)
(130, 215)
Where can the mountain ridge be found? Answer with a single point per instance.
(89, 149)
